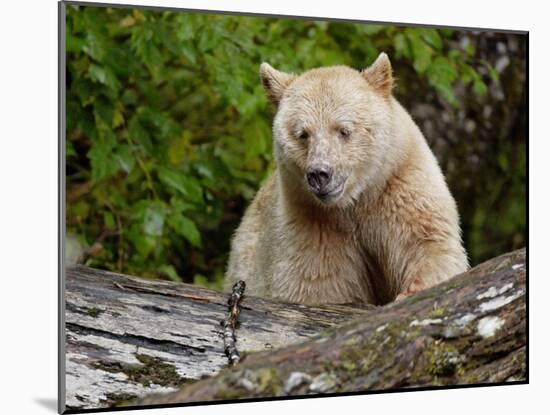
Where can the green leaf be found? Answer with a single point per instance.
(180, 148)
(147, 227)
(179, 205)
(493, 73)
(170, 272)
(446, 91)
(468, 74)
(187, 26)
(109, 220)
(188, 186)
(371, 29)
(143, 243)
(75, 44)
(431, 36)
(103, 75)
(442, 70)
(421, 52)
(471, 76)
(125, 157)
(144, 45)
(186, 228)
(103, 164)
(208, 40)
(94, 46)
(479, 87)
(139, 134)
(401, 46)
(189, 53)
(118, 116)
(442, 74)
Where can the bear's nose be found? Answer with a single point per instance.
(319, 177)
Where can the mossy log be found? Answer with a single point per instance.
(127, 337)
(147, 337)
(468, 330)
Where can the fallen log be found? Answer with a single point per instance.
(468, 330)
(128, 337)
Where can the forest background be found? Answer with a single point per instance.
(169, 132)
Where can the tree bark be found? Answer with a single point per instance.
(468, 330)
(127, 337)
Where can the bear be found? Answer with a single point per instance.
(357, 209)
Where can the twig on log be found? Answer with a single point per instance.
(230, 324)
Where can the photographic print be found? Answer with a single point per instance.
(263, 207)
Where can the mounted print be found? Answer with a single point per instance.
(262, 207)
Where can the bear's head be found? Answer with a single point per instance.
(333, 128)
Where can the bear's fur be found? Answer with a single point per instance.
(357, 209)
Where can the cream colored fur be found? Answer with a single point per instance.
(392, 231)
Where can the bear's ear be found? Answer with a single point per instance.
(274, 82)
(379, 75)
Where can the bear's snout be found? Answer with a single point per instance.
(323, 184)
(319, 177)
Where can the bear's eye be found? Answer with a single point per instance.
(344, 132)
(303, 135)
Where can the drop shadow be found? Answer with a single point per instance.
(48, 403)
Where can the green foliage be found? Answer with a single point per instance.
(169, 132)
